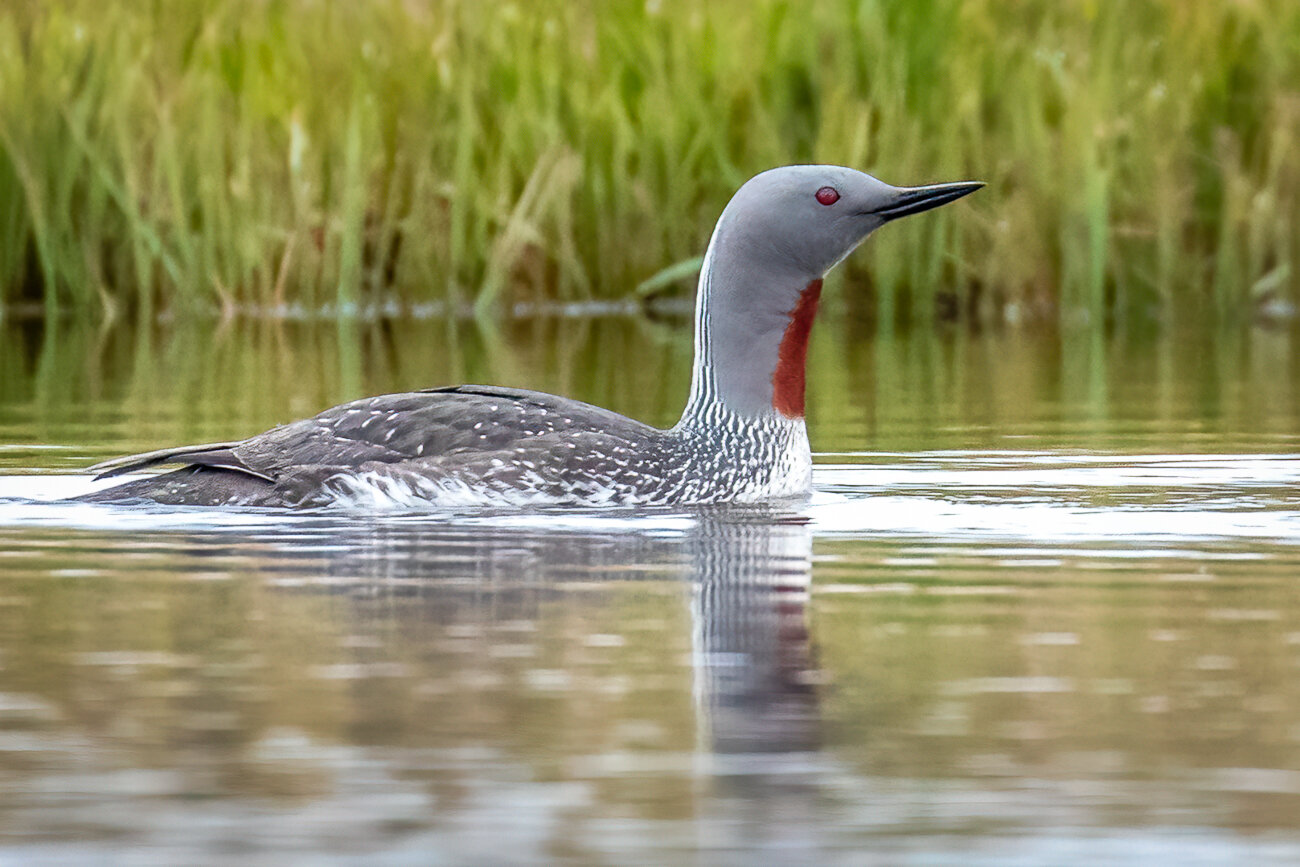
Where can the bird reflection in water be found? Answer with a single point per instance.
(750, 777)
(748, 570)
(755, 683)
(754, 679)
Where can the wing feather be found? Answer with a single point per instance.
(207, 455)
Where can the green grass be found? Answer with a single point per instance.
(1142, 157)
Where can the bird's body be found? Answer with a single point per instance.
(476, 446)
(741, 437)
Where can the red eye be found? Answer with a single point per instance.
(828, 195)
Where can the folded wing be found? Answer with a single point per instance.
(393, 429)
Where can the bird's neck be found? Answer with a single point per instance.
(752, 326)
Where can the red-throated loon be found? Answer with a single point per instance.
(741, 437)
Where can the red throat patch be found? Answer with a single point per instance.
(792, 356)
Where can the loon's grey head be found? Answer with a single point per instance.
(808, 218)
(777, 237)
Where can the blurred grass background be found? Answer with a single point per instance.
(272, 156)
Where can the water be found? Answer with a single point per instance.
(1042, 608)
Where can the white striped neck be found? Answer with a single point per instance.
(752, 327)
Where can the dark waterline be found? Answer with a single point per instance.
(105, 391)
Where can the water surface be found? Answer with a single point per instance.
(1042, 608)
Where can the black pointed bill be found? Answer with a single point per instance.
(914, 200)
